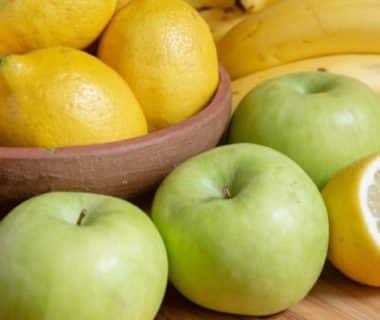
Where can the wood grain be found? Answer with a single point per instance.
(333, 298)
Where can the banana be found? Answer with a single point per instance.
(362, 67)
(222, 15)
(246, 5)
(256, 5)
(294, 30)
(200, 4)
(221, 20)
(121, 4)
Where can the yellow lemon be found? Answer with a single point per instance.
(57, 97)
(165, 51)
(353, 202)
(31, 24)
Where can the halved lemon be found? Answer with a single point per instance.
(353, 202)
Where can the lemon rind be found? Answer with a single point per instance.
(368, 179)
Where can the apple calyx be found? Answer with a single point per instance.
(227, 193)
(82, 215)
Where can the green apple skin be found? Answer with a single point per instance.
(245, 228)
(112, 266)
(322, 121)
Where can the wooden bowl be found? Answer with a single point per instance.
(125, 169)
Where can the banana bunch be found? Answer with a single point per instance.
(222, 20)
(256, 5)
(294, 30)
(223, 15)
(340, 36)
(364, 67)
(121, 3)
(249, 5)
(203, 4)
(199, 4)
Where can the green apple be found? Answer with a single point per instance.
(245, 228)
(67, 256)
(322, 121)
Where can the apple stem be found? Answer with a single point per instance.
(227, 193)
(82, 215)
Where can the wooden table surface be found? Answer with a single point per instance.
(333, 298)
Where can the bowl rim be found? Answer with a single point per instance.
(36, 153)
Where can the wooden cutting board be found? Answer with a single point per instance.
(333, 298)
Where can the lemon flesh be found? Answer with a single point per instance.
(353, 202)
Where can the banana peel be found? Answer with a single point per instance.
(256, 5)
(202, 4)
(222, 20)
(198, 4)
(365, 68)
(294, 30)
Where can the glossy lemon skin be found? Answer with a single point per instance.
(59, 97)
(32, 24)
(165, 51)
(351, 248)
